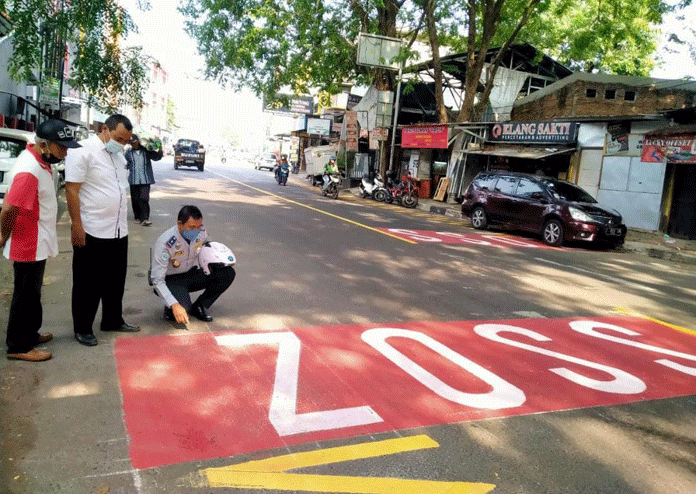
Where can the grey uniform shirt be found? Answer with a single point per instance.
(174, 255)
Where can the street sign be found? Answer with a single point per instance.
(202, 396)
(378, 51)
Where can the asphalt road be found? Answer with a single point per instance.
(436, 354)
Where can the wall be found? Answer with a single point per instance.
(571, 101)
(7, 85)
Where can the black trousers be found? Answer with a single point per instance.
(26, 314)
(193, 280)
(140, 198)
(99, 275)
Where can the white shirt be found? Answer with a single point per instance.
(174, 255)
(104, 179)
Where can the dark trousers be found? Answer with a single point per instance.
(99, 274)
(26, 314)
(193, 280)
(140, 198)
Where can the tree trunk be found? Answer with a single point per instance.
(437, 64)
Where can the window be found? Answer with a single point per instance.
(591, 93)
(506, 185)
(485, 182)
(630, 96)
(610, 94)
(528, 187)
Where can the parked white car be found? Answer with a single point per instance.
(13, 142)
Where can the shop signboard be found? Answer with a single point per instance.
(535, 132)
(424, 136)
(669, 149)
(303, 105)
(380, 133)
(319, 126)
(351, 127)
(50, 90)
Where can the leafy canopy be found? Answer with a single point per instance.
(111, 75)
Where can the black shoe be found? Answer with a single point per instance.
(86, 339)
(124, 328)
(169, 314)
(198, 311)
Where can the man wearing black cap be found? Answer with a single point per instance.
(28, 235)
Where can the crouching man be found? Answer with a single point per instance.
(178, 268)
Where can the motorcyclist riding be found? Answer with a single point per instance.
(282, 170)
(330, 169)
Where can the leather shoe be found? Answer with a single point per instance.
(199, 312)
(44, 338)
(124, 328)
(86, 339)
(169, 314)
(32, 355)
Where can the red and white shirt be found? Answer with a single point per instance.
(32, 190)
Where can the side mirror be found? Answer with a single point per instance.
(537, 195)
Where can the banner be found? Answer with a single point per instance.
(351, 127)
(424, 136)
(669, 149)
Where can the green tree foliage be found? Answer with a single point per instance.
(269, 45)
(615, 37)
(93, 29)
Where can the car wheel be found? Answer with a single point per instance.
(200, 168)
(552, 233)
(479, 220)
(176, 166)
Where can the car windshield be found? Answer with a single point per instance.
(568, 191)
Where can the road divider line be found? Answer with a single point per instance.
(652, 319)
(271, 473)
(355, 223)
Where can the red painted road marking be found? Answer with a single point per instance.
(206, 396)
(485, 239)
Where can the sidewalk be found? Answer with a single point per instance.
(649, 243)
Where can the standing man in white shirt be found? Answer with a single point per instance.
(96, 185)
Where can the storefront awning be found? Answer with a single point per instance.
(526, 152)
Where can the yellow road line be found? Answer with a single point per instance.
(648, 318)
(342, 484)
(271, 473)
(338, 454)
(361, 225)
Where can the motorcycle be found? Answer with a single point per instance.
(331, 189)
(403, 192)
(281, 174)
(370, 186)
(295, 167)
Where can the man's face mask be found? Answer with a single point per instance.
(48, 157)
(190, 235)
(114, 147)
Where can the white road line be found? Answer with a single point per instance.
(604, 277)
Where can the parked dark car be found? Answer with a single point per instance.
(557, 210)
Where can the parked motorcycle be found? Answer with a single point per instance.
(403, 192)
(369, 187)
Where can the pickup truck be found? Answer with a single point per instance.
(188, 152)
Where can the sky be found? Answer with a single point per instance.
(204, 108)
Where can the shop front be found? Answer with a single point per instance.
(675, 147)
(424, 155)
(541, 148)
